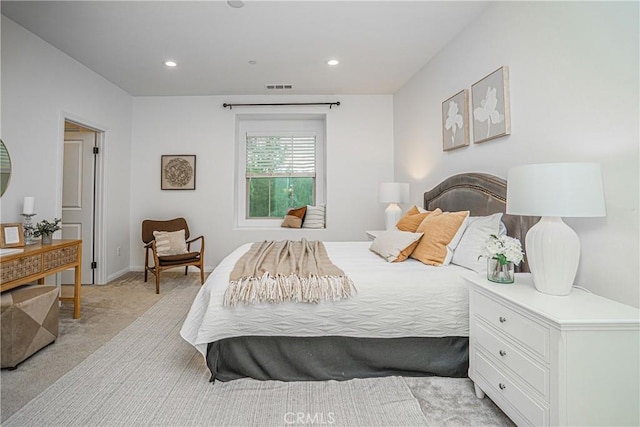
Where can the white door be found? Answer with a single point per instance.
(78, 198)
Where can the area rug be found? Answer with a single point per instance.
(148, 375)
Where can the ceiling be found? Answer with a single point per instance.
(380, 44)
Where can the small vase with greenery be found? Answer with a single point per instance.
(46, 229)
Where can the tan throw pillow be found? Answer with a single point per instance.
(292, 221)
(395, 245)
(299, 212)
(411, 220)
(170, 242)
(439, 229)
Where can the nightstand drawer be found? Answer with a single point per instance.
(506, 389)
(532, 335)
(530, 372)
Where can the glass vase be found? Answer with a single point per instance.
(46, 239)
(500, 273)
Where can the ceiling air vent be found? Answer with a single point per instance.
(278, 86)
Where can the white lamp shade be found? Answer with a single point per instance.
(556, 189)
(393, 192)
(552, 191)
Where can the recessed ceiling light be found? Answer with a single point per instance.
(235, 3)
(333, 62)
(170, 63)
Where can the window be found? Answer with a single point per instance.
(280, 173)
(280, 166)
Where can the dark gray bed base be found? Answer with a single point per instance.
(336, 358)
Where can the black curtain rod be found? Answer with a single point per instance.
(330, 104)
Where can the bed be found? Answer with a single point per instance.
(407, 319)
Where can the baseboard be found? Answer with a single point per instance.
(117, 274)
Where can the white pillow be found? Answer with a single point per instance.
(395, 245)
(473, 241)
(170, 242)
(314, 218)
(453, 244)
(503, 229)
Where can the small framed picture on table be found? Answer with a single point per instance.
(11, 235)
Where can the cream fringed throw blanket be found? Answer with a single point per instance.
(288, 270)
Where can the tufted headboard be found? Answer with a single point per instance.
(482, 195)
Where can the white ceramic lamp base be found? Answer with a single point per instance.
(392, 215)
(553, 254)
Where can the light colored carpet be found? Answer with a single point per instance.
(107, 388)
(105, 311)
(452, 402)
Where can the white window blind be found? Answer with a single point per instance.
(283, 156)
(280, 164)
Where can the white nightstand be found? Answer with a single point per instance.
(554, 360)
(372, 234)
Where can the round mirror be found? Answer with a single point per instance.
(5, 168)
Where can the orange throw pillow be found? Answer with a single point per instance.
(299, 212)
(439, 228)
(411, 220)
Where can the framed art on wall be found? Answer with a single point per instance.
(455, 121)
(178, 172)
(11, 235)
(490, 106)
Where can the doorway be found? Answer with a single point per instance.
(80, 194)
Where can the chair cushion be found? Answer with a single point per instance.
(178, 259)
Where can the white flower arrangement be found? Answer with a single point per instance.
(505, 249)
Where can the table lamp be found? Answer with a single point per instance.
(393, 193)
(553, 191)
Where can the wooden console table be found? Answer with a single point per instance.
(37, 261)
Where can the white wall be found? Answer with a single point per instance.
(40, 85)
(574, 97)
(359, 145)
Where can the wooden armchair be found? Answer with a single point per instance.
(165, 262)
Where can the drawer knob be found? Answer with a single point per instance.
(502, 386)
(502, 319)
(502, 353)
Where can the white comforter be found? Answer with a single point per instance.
(406, 299)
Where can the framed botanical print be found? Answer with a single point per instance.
(490, 106)
(455, 121)
(178, 172)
